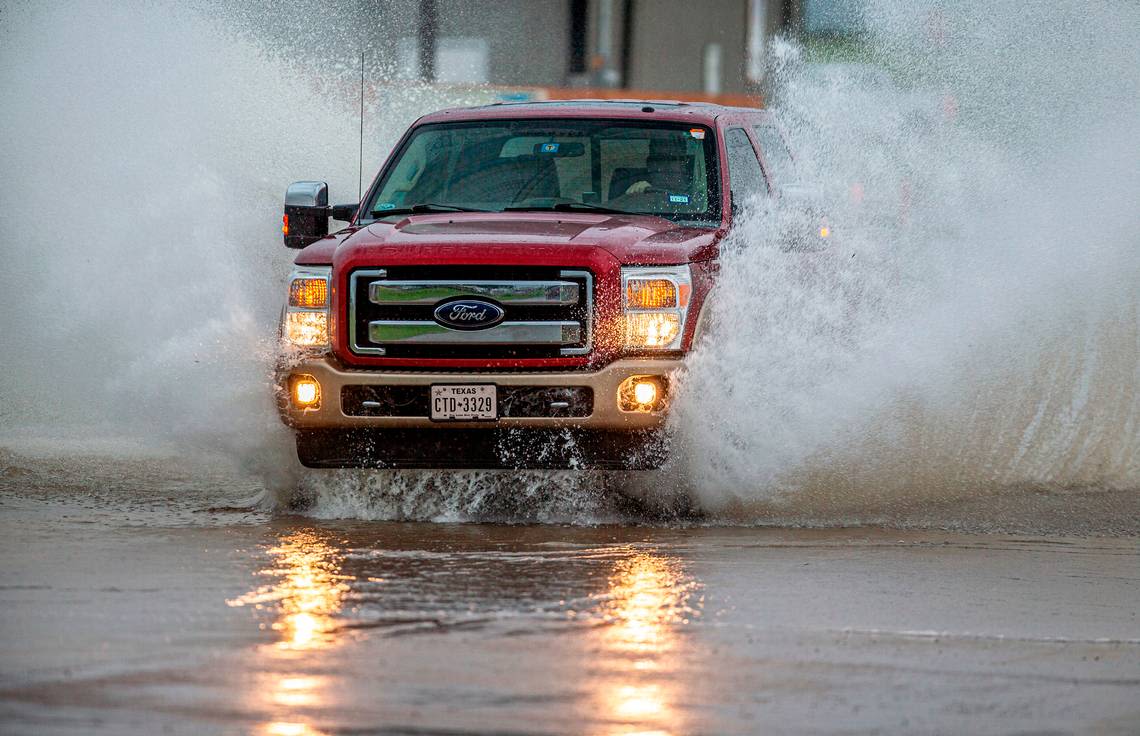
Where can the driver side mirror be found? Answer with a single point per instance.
(306, 218)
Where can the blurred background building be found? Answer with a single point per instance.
(710, 49)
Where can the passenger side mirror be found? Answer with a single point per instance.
(306, 218)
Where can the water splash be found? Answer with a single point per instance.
(975, 329)
(147, 148)
(502, 496)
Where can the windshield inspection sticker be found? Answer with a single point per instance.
(386, 206)
(697, 133)
(549, 148)
(679, 198)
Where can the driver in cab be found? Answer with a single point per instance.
(668, 168)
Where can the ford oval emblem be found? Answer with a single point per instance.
(469, 314)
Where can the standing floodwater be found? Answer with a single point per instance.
(133, 607)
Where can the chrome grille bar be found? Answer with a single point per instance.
(521, 293)
(395, 332)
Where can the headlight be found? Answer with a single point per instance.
(656, 301)
(307, 313)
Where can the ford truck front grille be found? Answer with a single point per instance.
(545, 312)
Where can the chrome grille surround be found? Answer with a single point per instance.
(569, 337)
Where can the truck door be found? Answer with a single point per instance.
(745, 177)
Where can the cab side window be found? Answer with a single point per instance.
(776, 154)
(746, 180)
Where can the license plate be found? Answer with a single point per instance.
(464, 403)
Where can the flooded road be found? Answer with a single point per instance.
(128, 610)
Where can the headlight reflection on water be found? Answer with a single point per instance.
(648, 600)
(307, 592)
(280, 728)
(638, 653)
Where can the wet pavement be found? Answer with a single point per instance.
(164, 615)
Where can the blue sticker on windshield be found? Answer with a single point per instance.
(549, 148)
(679, 198)
(386, 206)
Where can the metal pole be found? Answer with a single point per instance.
(426, 34)
(360, 172)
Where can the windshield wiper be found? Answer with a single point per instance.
(569, 207)
(424, 208)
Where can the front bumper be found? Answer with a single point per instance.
(605, 382)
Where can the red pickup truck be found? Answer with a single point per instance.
(517, 287)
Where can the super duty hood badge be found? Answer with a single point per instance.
(469, 314)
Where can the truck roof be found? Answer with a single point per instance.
(675, 110)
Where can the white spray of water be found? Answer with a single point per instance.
(149, 146)
(975, 328)
(146, 149)
(989, 341)
(505, 496)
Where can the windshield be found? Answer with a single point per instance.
(663, 169)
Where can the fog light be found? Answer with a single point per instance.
(642, 393)
(645, 392)
(306, 392)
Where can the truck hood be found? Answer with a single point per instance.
(628, 239)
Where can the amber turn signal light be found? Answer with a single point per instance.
(309, 293)
(650, 294)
